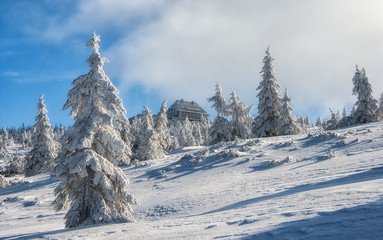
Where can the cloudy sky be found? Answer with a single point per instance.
(168, 49)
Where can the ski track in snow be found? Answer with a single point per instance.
(274, 188)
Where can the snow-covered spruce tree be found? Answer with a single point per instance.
(162, 129)
(307, 122)
(3, 182)
(241, 122)
(197, 133)
(91, 149)
(178, 132)
(288, 124)
(5, 137)
(366, 105)
(269, 105)
(379, 111)
(2, 144)
(149, 146)
(173, 135)
(205, 126)
(135, 127)
(344, 112)
(187, 131)
(220, 131)
(334, 120)
(318, 122)
(219, 102)
(41, 157)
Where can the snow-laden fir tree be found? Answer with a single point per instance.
(269, 104)
(344, 112)
(124, 129)
(379, 111)
(26, 139)
(334, 120)
(5, 133)
(173, 135)
(188, 133)
(41, 157)
(197, 133)
(318, 122)
(3, 182)
(2, 144)
(288, 124)
(149, 146)
(91, 149)
(366, 104)
(135, 127)
(162, 129)
(5, 137)
(364, 109)
(219, 102)
(220, 131)
(205, 126)
(178, 132)
(307, 122)
(241, 122)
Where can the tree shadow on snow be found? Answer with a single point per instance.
(22, 187)
(359, 222)
(372, 174)
(46, 235)
(186, 166)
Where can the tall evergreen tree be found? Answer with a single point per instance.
(318, 122)
(344, 112)
(379, 111)
(219, 101)
(288, 124)
(162, 129)
(149, 146)
(269, 105)
(41, 157)
(334, 121)
(91, 150)
(220, 131)
(241, 121)
(187, 131)
(366, 105)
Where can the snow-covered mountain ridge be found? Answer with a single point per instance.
(310, 186)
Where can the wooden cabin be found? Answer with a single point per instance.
(180, 109)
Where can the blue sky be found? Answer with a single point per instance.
(165, 49)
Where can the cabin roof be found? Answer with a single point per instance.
(186, 106)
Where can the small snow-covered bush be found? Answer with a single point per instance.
(203, 153)
(15, 167)
(37, 200)
(188, 160)
(13, 199)
(238, 141)
(254, 142)
(187, 156)
(288, 159)
(3, 182)
(330, 154)
(231, 153)
(17, 181)
(246, 148)
(342, 142)
(137, 163)
(325, 135)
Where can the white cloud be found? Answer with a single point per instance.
(181, 48)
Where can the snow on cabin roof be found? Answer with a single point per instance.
(186, 106)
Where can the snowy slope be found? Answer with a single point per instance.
(290, 187)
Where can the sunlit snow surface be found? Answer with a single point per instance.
(290, 187)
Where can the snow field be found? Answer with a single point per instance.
(276, 188)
